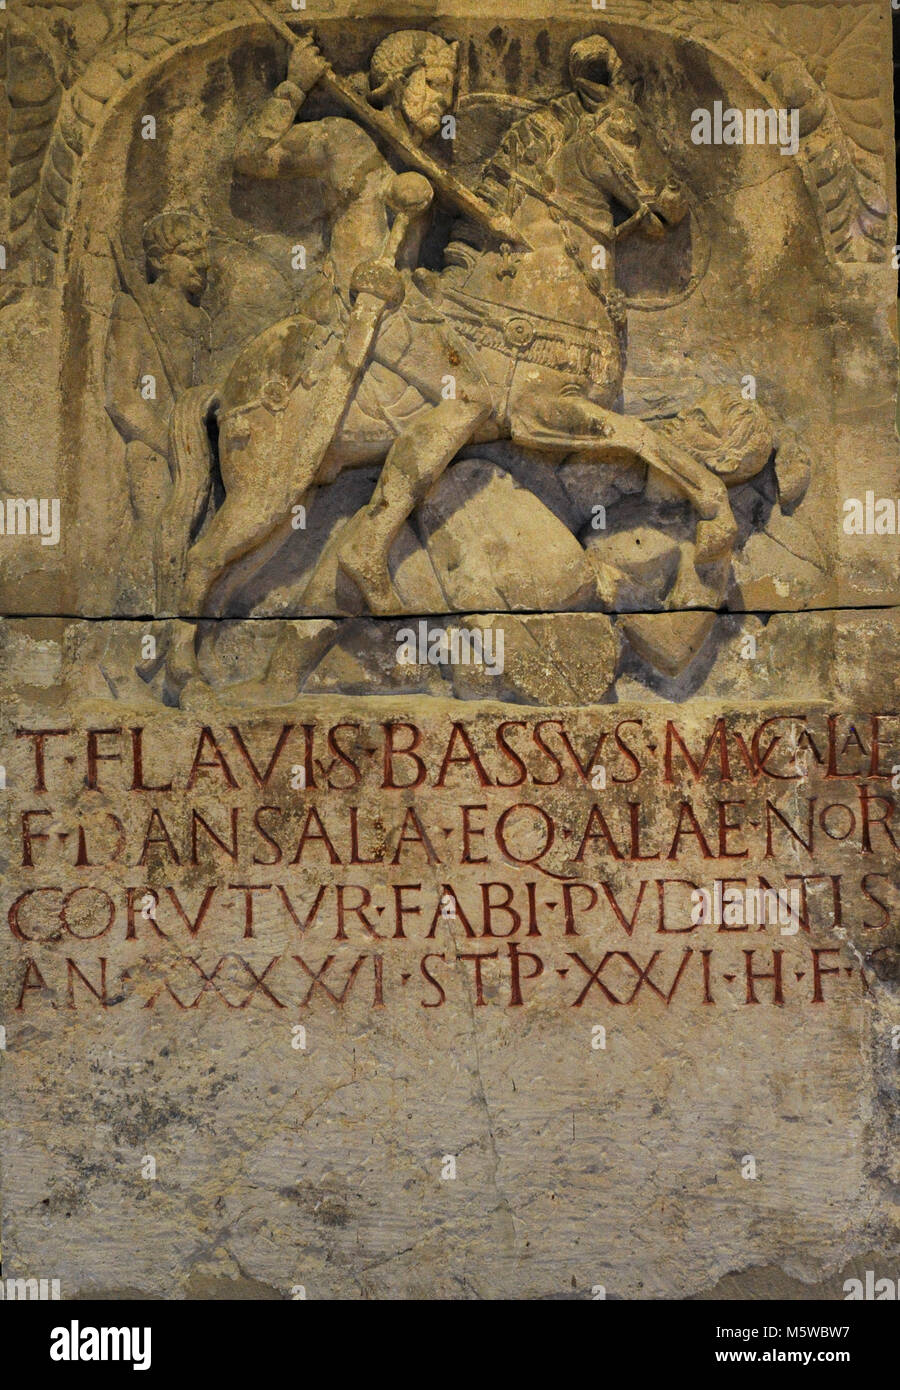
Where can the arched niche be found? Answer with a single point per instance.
(202, 85)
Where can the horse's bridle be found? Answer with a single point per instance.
(643, 198)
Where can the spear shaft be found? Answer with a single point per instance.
(455, 192)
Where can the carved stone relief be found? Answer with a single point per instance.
(490, 419)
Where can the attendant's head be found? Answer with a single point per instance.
(175, 246)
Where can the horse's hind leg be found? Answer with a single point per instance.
(415, 462)
(242, 523)
(225, 539)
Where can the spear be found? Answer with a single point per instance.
(455, 192)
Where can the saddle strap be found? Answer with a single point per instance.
(589, 353)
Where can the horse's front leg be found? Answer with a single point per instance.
(566, 423)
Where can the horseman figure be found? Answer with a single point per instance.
(520, 339)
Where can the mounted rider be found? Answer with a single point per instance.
(529, 335)
(596, 124)
(414, 73)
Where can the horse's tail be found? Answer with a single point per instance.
(191, 461)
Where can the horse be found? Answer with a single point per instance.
(526, 343)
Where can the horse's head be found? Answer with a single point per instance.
(616, 148)
(641, 175)
(619, 153)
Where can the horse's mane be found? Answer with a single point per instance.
(531, 141)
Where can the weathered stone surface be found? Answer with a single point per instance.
(474, 560)
(449, 576)
(671, 643)
(649, 559)
(322, 1164)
